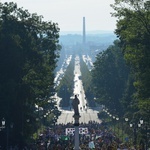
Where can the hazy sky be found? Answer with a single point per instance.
(69, 13)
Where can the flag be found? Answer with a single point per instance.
(64, 138)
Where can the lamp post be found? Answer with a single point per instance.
(7, 131)
(3, 124)
(110, 117)
(117, 118)
(144, 125)
(135, 126)
(114, 122)
(134, 132)
(126, 120)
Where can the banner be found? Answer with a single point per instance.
(70, 131)
(83, 130)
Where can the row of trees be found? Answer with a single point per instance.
(86, 81)
(121, 73)
(65, 88)
(28, 53)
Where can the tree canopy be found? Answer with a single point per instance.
(109, 77)
(28, 53)
(126, 87)
(133, 30)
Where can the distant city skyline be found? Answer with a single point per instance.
(69, 13)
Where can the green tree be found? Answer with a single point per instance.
(133, 29)
(109, 77)
(86, 80)
(65, 88)
(28, 54)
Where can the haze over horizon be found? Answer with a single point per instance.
(69, 13)
(91, 32)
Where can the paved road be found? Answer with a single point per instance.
(87, 114)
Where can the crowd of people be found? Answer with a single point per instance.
(98, 137)
(92, 136)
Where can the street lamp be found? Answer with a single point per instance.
(3, 124)
(114, 122)
(134, 132)
(144, 125)
(126, 119)
(134, 126)
(141, 121)
(110, 115)
(117, 118)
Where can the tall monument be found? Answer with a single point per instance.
(84, 36)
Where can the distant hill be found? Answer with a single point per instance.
(87, 32)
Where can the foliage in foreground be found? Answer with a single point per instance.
(28, 54)
(125, 90)
(109, 77)
(133, 30)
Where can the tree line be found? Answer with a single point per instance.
(66, 86)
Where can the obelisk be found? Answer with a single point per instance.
(84, 36)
